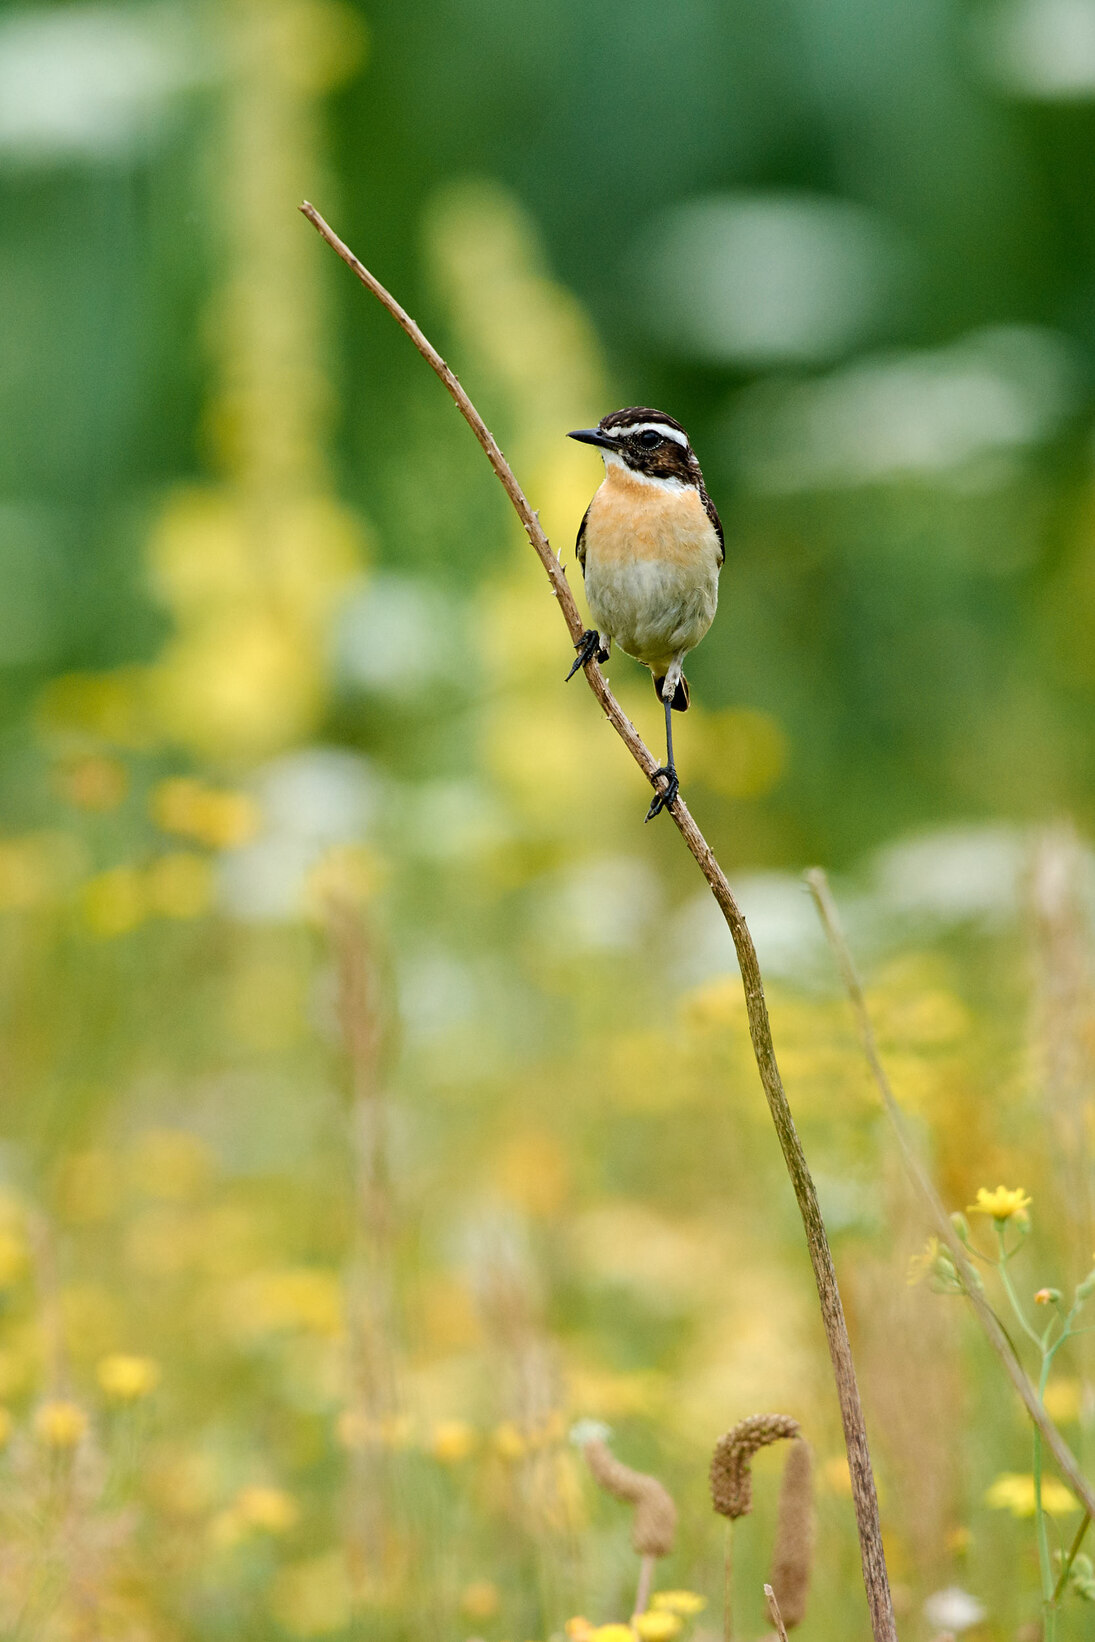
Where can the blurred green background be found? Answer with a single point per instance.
(373, 1077)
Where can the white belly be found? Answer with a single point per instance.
(654, 609)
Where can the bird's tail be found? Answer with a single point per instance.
(680, 695)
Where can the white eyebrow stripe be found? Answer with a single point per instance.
(663, 428)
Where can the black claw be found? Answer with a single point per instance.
(663, 797)
(588, 648)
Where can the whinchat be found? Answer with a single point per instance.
(651, 548)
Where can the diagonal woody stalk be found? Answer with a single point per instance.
(832, 1311)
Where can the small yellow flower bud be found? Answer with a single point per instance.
(682, 1602)
(453, 1441)
(126, 1379)
(270, 1510)
(658, 1626)
(60, 1424)
(1047, 1297)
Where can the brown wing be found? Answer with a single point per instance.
(580, 544)
(712, 513)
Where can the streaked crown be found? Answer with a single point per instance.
(647, 441)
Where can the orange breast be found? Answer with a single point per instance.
(631, 520)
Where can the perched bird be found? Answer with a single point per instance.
(651, 548)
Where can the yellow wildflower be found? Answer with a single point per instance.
(126, 1379)
(270, 1510)
(453, 1441)
(218, 819)
(578, 1629)
(60, 1424)
(658, 1626)
(480, 1599)
(1015, 1493)
(682, 1602)
(1002, 1204)
(612, 1633)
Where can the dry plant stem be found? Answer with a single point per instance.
(774, 1614)
(998, 1339)
(728, 1584)
(646, 1584)
(855, 1433)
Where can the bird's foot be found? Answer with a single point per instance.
(663, 796)
(589, 648)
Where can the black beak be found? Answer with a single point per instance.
(593, 436)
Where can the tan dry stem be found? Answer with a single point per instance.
(731, 1479)
(793, 1557)
(655, 1524)
(775, 1614)
(864, 1494)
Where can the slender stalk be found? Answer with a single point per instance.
(1073, 1553)
(1063, 1456)
(774, 1614)
(646, 1583)
(864, 1495)
(728, 1584)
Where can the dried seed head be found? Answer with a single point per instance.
(793, 1557)
(655, 1523)
(731, 1481)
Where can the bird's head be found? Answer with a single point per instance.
(646, 442)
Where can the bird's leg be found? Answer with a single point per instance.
(592, 646)
(665, 796)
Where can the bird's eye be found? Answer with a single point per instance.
(650, 439)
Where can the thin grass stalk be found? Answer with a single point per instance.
(1063, 1456)
(864, 1494)
(774, 1614)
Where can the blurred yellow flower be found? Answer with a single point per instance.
(127, 1379)
(305, 1298)
(658, 1626)
(114, 901)
(313, 1597)
(14, 1259)
(180, 885)
(6, 1425)
(612, 1633)
(480, 1600)
(682, 1602)
(579, 1629)
(1014, 1492)
(60, 1424)
(269, 1510)
(215, 817)
(1002, 1204)
(452, 1441)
